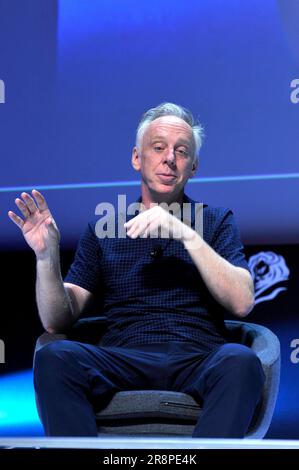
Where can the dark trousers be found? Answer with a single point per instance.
(73, 380)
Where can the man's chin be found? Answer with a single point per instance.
(165, 191)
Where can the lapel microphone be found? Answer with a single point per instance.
(156, 251)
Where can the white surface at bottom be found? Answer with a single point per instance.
(128, 442)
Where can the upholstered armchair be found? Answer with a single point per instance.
(158, 412)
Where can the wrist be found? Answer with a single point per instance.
(49, 255)
(191, 239)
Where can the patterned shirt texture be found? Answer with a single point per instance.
(150, 288)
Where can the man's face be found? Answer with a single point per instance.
(166, 158)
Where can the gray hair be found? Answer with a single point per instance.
(170, 109)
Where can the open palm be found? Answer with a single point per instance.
(38, 226)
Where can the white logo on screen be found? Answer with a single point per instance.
(269, 271)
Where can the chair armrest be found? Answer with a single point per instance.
(267, 347)
(85, 330)
(259, 338)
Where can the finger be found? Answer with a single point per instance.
(40, 200)
(138, 217)
(153, 223)
(129, 224)
(23, 208)
(132, 225)
(143, 221)
(138, 228)
(153, 227)
(154, 220)
(16, 219)
(29, 201)
(138, 224)
(133, 232)
(141, 227)
(144, 234)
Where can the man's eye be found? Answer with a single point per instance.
(182, 152)
(158, 148)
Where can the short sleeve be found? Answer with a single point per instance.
(85, 270)
(226, 240)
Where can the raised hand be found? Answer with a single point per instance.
(38, 226)
(157, 221)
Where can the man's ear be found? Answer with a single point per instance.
(136, 164)
(194, 167)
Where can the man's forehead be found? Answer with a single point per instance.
(164, 124)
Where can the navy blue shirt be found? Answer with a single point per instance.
(152, 291)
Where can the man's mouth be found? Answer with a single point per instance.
(166, 177)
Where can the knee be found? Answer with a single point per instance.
(244, 363)
(52, 357)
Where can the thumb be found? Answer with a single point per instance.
(49, 221)
(51, 224)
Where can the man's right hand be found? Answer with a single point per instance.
(38, 226)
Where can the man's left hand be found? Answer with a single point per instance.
(157, 222)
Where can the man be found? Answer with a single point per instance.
(164, 305)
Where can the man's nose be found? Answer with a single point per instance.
(170, 156)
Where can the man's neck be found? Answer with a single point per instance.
(158, 198)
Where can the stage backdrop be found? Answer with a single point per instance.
(75, 77)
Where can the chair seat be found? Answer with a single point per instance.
(149, 412)
(136, 404)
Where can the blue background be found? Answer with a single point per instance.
(78, 75)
